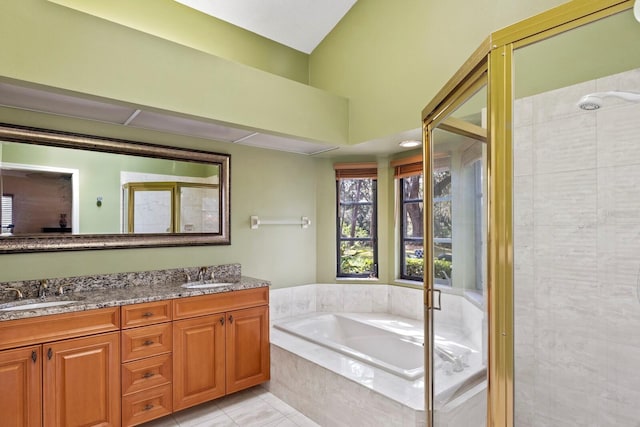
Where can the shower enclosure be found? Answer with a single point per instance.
(560, 251)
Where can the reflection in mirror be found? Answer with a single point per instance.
(56, 185)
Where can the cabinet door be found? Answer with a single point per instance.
(82, 381)
(198, 360)
(21, 387)
(247, 348)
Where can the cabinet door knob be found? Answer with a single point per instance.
(147, 342)
(34, 356)
(222, 320)
(147, 314)
(148, 375)
(231, 319)
(148, 407)
(50, 353)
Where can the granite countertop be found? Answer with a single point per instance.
(116, 296)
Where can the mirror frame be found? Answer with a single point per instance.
(44, 243)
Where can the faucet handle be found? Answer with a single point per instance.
(60, 291)
(19, 294)
(187, 275)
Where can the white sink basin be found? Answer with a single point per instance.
(200, 285)
(35, 305)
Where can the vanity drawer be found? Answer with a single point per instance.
(146, 405)
(184, 308)
(146, 341)
(146, 373)
(147, 313)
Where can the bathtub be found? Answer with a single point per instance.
(348, 355)
(389, 344)
(395, 345)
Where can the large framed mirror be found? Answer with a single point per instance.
(65, 191)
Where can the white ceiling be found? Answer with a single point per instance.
(300, 24)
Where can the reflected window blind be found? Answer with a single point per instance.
(6, 216)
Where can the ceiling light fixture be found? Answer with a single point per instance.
(410, 143)
(636, 10)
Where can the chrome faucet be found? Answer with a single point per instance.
(42, 289)
(201, 273)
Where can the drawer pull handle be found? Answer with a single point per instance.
(34, 356)
(148, 375)
(148, 407)
(50, 353)
(147, 342)
(147, 314)
(222, 320)
(230, 319)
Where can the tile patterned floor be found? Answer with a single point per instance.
(254, 407)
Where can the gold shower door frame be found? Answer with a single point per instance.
(495, 58)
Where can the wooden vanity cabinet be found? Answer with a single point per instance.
(59, 377)
(21, 386)
(147, 348)
(198, 360)
(81, 381)
(247, 348)
(221, 345)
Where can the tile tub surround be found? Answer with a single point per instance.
(111, 290)
(335, 390)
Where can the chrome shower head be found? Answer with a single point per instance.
(593, 101)
(590, 102)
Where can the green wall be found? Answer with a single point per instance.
(47, 44)
(263, 182)
(390, 58)
(173, 21)
(372, 75)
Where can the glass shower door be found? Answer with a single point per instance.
(457, 319)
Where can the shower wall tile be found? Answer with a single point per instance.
(560, 103)
(523, 201)
(619, 195)
(523, 112)
(618, 135)
(523, 150)
(628, 80)
(576, 265)
(565, 198)
(564, 145)
(564, 253)
(619, 280)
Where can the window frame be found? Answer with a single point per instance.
(345, 173)
(403, 238)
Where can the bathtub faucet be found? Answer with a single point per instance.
(456, 361)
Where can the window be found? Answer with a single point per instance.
(411, 189)
(6, 215)
(442, 222)
(356, 189)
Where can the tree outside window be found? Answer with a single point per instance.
(356, 220)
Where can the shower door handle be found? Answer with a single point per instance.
(431, 297)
